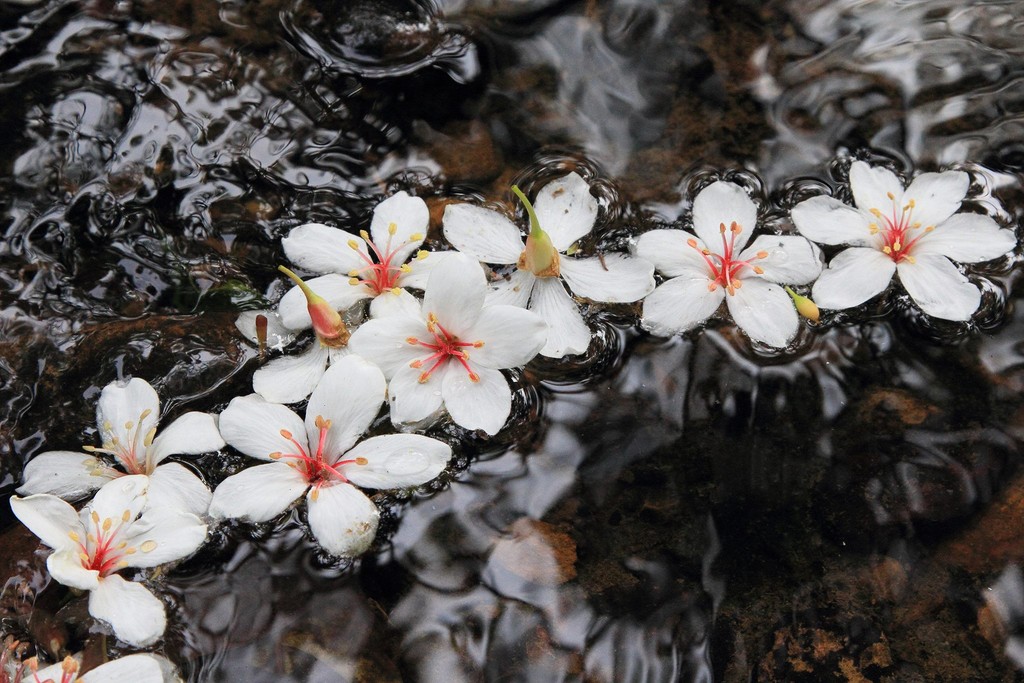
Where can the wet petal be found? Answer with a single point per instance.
(409, 216)
(335, 289)
(122, 495)
(343, 520)
(764, 311)
(872, 185)
(853, 276)
(412, 400)
(455, 293)
(788, 260)
(396, 461)
(723, 203)
(253, 425)
(420, 268)
(567, 332)
(122, 404)
(290, 379)
(258, 494)
(136, 615)
(65, 566)
(349, 396)
(514, 291)
(680, 304)
(566, 210)
(484, 404)
(321, 249)
(511, 337)
(191, 434)
(614, 278)
(49, 518)
(939, 288)
(389, 303)
(137, 668)
(383, 341)
(936, 196)
(671, 253)
(278, 336)
(66, 474)
(828, 221)
(174, 486)
(483, 234)
(163, 535)
(967, 238)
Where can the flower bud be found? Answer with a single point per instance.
(327, 323)
(805, 306)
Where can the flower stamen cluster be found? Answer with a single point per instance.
(383, 274)
(445, 346)
(725, 266)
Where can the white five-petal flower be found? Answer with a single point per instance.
(116, 529)
(916, 233)
(127, 415)
(137, 668)
(716, 263)
(451, 349)
(565, 212)
(322, 459)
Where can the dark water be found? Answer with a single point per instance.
(691, 509)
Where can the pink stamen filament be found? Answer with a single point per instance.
(897, 226)
(723, 267)
(445, 346)
(316, 466)
(383, 274)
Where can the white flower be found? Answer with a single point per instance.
(127, 415)
(114, 530)
(137, 668)
(322, 458)
(565, 212)
(451, 349)
(913, 232)
(716, 264)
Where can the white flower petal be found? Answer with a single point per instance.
(382, 341)
(389, 303)
(349, 396)
(396, 461)
(278, 336)
(680, 304)
(66, 474)
(343, 520)
(764, 311)
(484, 404)
(137, 668)
(614, 278)
(253, 425)
(65, 566)
(419, 269)
(136, 615)
(191, 434)
(790, 259)
(124, 494)
(163, 535)
(412, 400)
(123, 403)
(872, 185)
(409, 215)
(290, 379)
(566, 210)
(936, 196)
(967, 238)
(174, 486)
(49, 518)
(341, 295)
(514, 291)
(671, 253)
(567, 332)
(827, 220)
(723, 203)
(484, 234)
(321, 249)
(455, 293)
(852, 277)
(258, 494)
(939, 288)
(511, 337)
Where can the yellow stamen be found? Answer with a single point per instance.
(365, 235)
(416, 237)
(353, 245)
(362, 461)
(392, 229)
(887, 250)
(148, 546)
(422, 254)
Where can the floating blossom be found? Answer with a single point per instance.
(916, 233)
(450, 350)
(565, 212)
(127, 415)
(716, 264)
(137, 668)
(113, 531)
(322, 458)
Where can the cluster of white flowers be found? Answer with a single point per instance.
(445, 353)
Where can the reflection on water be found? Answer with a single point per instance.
(692, 509)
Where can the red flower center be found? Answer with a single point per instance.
(724, 267)
(445, 346)
(896, 229)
